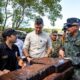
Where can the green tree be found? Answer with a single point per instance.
(1, 14)
(49, 8)
(5, 12)
(1, 17)
(26, 10)
(27, 30)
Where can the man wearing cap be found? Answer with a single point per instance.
(55, 44)
(64, 29)
(9, 53)
(37, 43)
(72, 44)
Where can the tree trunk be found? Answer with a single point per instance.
(19, 23)
(5, 15)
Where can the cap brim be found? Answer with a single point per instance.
(73, 24)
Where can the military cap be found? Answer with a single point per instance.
(60, 33)
(72, 22)
(65, 27)
(54, 32)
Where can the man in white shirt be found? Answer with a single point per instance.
(37, 44)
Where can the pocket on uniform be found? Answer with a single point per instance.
(4, 57)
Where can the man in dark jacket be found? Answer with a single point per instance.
(9, 53)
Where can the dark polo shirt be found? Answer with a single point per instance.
(8, 58)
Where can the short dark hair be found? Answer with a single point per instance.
(8, 32)
(39, 21)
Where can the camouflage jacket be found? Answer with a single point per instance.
(72, 47)
(56, 46)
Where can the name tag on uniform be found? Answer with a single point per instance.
(4, 57)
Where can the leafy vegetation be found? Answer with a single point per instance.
(22, 11)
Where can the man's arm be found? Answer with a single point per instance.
(49, 47)
(61, 53)
(21, 63)
(26, 47)
(49, 52)
(1, 73)
(5, 71)
(25, 52)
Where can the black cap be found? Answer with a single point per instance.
(39, 21)
(8, 32)
(65, 27)
(72, 22)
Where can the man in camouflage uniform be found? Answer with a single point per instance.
(72, 45)
(61, 37)
(64, 29)
(55, 44)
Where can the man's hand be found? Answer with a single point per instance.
(29, 59)
(5, 71)
(61, 53)
(1, 73)
(47, 55)
(21, 63)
